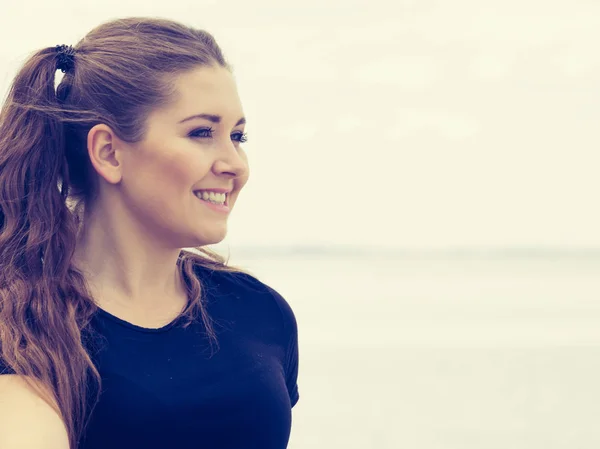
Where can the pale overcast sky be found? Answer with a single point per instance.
(405, 123)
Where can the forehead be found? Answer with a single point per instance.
(209, 90)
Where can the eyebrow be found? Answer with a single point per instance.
(213, 118)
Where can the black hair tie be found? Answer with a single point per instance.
(65, 57)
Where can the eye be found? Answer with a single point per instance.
(240, 137)
(202, 133)
(207, 133)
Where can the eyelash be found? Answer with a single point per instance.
(204, 133)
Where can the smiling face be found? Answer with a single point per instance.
(191, 146)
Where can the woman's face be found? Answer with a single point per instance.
(192, 148)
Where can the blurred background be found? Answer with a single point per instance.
(423, 193)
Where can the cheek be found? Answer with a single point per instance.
(161, 180)
(180, 173)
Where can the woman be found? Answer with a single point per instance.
(111, 335)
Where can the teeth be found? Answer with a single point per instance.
(217, 198)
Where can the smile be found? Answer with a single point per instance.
(212, 197)
(214, 201)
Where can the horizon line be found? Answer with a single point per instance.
(315, 249)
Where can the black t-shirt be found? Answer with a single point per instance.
(166, 389)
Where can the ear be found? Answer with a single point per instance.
(103, 149)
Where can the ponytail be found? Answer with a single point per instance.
(39, 330)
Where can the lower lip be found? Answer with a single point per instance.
(217, 207)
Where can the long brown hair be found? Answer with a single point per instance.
(123, 69)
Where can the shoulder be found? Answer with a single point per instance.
(252, 291)
(26, 420)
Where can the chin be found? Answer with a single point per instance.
(208, 238)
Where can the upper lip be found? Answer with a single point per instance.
(208, 189)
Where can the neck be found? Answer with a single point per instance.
(124, 265)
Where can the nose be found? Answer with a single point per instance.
(230, 161)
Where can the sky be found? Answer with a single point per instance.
(408, 124)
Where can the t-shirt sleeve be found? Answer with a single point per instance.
(292, 365)
(4, 369)
(292, 356)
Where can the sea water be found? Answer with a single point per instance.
(427, 351)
